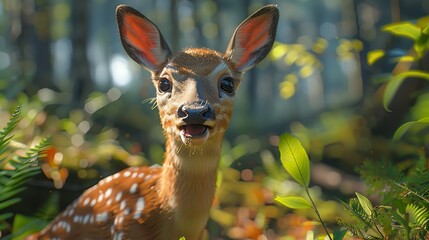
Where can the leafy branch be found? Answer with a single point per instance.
(295, 161)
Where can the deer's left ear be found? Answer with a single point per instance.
(253, 38)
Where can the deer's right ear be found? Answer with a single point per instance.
(253, 38)
(141, 39)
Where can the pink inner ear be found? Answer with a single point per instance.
(142, 35)
(251, 36)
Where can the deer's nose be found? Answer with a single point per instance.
(195, 112)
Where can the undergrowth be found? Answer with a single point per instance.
(18, 164)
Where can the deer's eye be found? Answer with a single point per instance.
(164, 85)
(227, 85)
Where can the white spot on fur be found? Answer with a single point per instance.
(120, 220)
(116, 175)
(133, 188)
(108, 192)
(86, 218)
(100, 198)
(127, 173)
(108, 179)
(134, 175)
(102, 217)
(140, 175)
(93, 202)
(123, 204)
(140, 204)
(118, 196)
(126, 211)
(71, 211)
(86, 201)
(137, 215)
(118, 236)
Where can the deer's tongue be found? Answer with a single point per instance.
(194, 129)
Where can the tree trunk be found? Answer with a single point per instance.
(80, 69)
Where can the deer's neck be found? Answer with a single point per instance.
(188, 182)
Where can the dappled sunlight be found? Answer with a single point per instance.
(119, 69)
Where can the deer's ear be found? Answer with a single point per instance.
(141, 39)
(253, 38)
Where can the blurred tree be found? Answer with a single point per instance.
(80, 68)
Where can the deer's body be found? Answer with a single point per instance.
(195, 90)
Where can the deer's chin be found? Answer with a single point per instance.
(194, 134)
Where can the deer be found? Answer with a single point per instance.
(195, 91)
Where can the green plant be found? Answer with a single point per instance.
(16, 169)
(402, 185)
(403, 212)
(419, 34)
(400, 220)
(296, 162)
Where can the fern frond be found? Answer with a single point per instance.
(419, 215)
(353, 229)
(7, 130)
(418, 182)
(20, 169)
(11, 124)
(379, 176)
(363, 220)
(25, 169)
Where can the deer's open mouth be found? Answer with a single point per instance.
(194, 134)
(193, 130)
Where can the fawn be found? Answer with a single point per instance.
(195, 93)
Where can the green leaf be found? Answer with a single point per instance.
(10, 193)
(363, 220)
(9, 203)
(339, 234)
(25, 225)
(294, 202)
(403, 29)
(425, 29)
(421, 45)
(384, 219)
(402, 129)
(406, 58)
(365, 203)
(374, 55)
(5, 216)
(398, 218)
(294, 159)
(396, 81)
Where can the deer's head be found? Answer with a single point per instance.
(196, 87)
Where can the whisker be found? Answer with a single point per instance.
(180, 148)
(151, 101)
